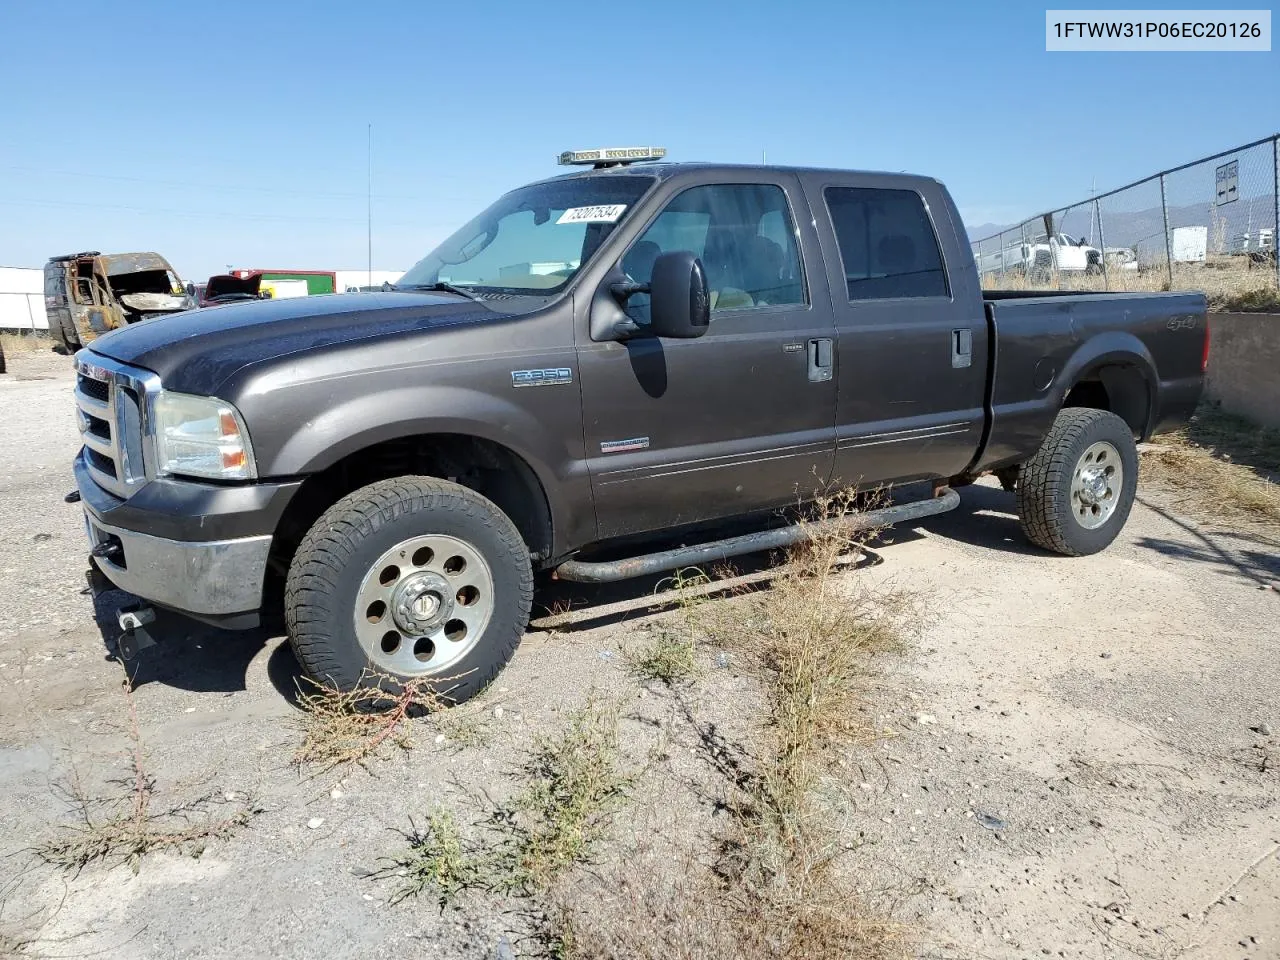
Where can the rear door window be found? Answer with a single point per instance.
(887, 244)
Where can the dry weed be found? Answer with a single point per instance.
(1219, 466)
(573, 786)
(777, 889)
(343, 728)
(14, 343)
(19, 934)
(668, 657)
(1229, 283)
(125, 827)
(438, 862)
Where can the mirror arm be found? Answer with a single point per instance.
(626, 329)
(625, 289)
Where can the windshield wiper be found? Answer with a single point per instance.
(442, 286)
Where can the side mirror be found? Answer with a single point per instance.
(191, 289)
(679, 305)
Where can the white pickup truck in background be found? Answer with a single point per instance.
(1060, 252)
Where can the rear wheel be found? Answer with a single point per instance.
(1075, 494)
(409, 579)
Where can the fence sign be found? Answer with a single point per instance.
(1227, 177)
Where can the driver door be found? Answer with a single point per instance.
(741, 419)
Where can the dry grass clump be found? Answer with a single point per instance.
(670, 656)
(1229, 283)
(573, 785)
(19, 934)
(124, 826)
(439, 862)
(1219, 466)
(354, 727)
(14, 343)
(776, 887)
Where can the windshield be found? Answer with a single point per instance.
(533, 240)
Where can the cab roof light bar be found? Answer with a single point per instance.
(611, 156)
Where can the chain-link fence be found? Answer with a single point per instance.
(1210, 225)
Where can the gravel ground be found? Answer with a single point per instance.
(1075, 757)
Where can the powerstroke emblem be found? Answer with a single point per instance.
(541, 378)
(621, 446)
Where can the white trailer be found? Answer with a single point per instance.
(22, 299)
(353, 281)
(1190, 244)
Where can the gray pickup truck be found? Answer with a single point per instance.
(624, 351)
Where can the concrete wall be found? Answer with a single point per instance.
(1244, 365)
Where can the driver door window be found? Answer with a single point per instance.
(745, 238)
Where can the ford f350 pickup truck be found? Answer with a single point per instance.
(620, 351)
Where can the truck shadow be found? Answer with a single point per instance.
(1248, 555)
(987, 517)
(192, 656)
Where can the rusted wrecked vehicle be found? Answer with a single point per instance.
(87, 294)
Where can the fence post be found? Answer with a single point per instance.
(1168, 237)
(1102, 244)
(1275, 202)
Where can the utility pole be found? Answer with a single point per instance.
(370, 200)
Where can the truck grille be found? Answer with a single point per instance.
(111, 400)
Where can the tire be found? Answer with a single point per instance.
(456, 558)
(1068, 502)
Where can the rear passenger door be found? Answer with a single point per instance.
(911, 335)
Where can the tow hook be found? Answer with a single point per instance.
(133, 621)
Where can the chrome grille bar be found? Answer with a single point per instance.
(113, 402)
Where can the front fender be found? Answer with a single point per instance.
(546, 443)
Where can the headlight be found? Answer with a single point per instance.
(201, 437)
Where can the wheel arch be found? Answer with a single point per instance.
(1113, 372)
(492, 469)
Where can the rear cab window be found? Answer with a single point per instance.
(888, 246)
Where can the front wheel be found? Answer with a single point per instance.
(409, 579)
(1075, 494)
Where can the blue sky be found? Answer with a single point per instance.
(235, 133)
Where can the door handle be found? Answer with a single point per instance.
(821, 354)
(961, 348)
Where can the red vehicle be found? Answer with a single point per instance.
(225, 288)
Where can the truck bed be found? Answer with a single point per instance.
(1144, 351)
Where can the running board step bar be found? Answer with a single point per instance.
(584, 571)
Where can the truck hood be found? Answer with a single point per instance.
(196, 351)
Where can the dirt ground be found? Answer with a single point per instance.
(1078, 757)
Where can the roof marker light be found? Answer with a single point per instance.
(611, 156)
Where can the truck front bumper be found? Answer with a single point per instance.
(198, 549)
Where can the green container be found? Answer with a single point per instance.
(316, 282)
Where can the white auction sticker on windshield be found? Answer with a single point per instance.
(602, 213)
